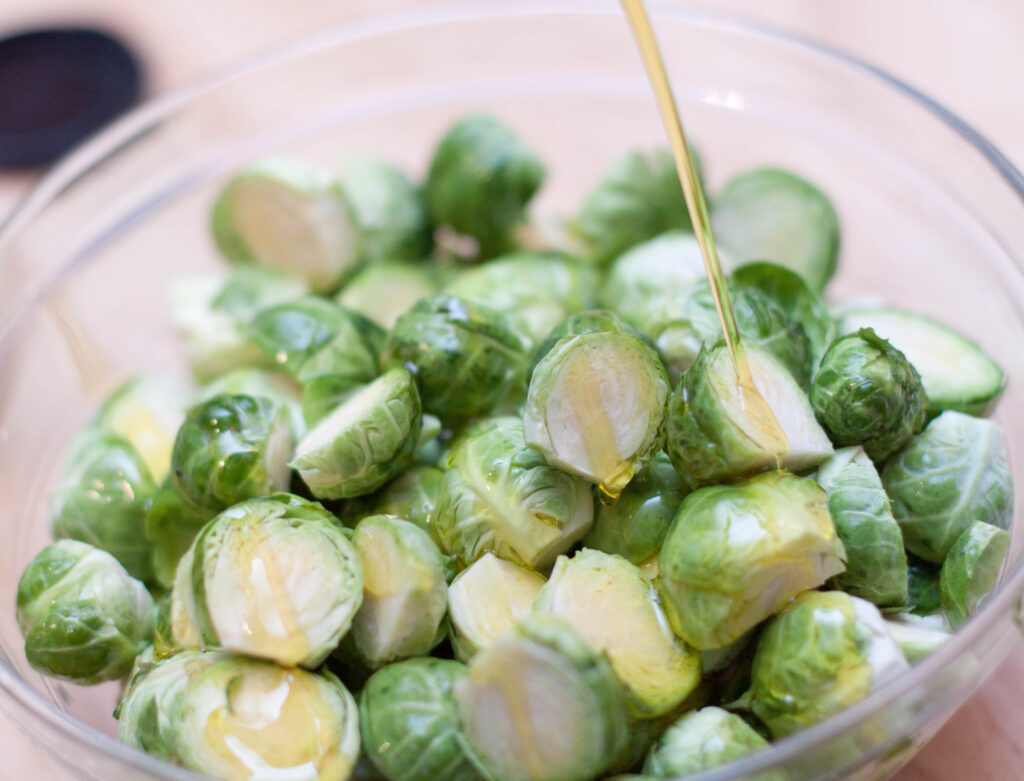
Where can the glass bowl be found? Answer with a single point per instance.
(932, 217)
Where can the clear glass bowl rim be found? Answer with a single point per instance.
(1008, 598)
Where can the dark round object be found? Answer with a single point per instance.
(57, 87)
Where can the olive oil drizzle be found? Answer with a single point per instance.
(757, 410)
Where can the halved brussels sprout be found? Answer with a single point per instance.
(102, 495)
(383, 291)
(404, 591)
(919, 636)
(146, 411)
(770, 214)
(540, 705)
(230, 448)
(823, 653)
(410, 722)
(595, 405)
(83, 617)
(481, 178)
(466, 357)
(364, 442)
(876, 564)
(211, 313)
(486, 600)
(736, 554)
(170, 525)
(634, 525)
(665, 267)
(412, 496)
(714, 433)
(286, 214)
(970, 570)
(657, 670)
(701, 740)
(534, 291)
(274, 577)
(148, 709)
(387, 210)
(501, 496)
(249, 719)
(638, 198)
(952, 474)
(956, 373)
(867, 393)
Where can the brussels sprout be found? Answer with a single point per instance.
(486, 600)
(273, 577)
(249, 719)
(657, 671)
(365, 441)
(956, 373)
(950, 475)
(791, 292)
(146, 712)
(84, 619)
(501, 496)
(681, 326)
(917, 636)
(970, 570)
(257, 382)
(663, 268)
(539, 705)
(701, 740)
(411, 496)
(823, 653)
(410, 722)
(390, 217)
(735, 554)
(867, 393)
(466, 357)
(102, 495)
(770, 214)
(230, 448)
(590, 322)
(211, 314)
(481, 178)
(634, 525)
(876, 564)
(170, 525)
(595, 405)
(924, 597)
(714, 432)
(146, 411)
(286, 214)
(534, 291)
(386, 290)
(404, 591)
(638, 198)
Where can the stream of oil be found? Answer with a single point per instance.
(758, 412)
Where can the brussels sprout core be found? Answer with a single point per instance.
(595, 406)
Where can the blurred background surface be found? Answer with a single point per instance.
(969, 57)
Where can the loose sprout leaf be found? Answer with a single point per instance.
(970, 570)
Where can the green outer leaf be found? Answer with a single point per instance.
(501, 496)
(970, 570)
(231, 448)
(636, 199)
(867, 393)
(102, 495)
(465, 356)
(701, 740)
(366, 441)
(481, 178)
(876, 564)
(737, 553)
(770, 214)
(952, 474)
(410, 722)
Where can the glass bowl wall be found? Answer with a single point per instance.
(932, 218)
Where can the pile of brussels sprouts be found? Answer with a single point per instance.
(463, 495)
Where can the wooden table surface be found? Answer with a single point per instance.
(967, 55)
